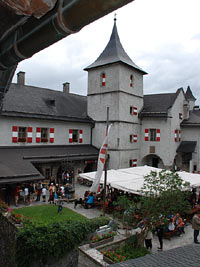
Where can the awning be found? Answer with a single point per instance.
(16, 163)
(187, 146)
(15, 180)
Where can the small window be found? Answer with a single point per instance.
(131, 138)
(152, 134)
(22, 133)
(180, 116)
(44, 135)
(103, 79)
(131, 80)
(133, 110)
(75, 136)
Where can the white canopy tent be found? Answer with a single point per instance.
(131, 179)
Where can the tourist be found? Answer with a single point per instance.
(196, 226)
(148, 240)
(66, 190)
(160, 234)
(31, 192)
(60, 203)
(179, 224)
(90, 201)
(44, 193)
(52, 190)
(17, 191)
(26, 194)
(171, 225)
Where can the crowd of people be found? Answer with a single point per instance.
(50, 192)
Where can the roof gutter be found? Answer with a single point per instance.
(36, 34)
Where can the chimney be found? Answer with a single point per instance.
(21, 78)
(66, 87)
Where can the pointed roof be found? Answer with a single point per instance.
(114, 52)
(189, 94)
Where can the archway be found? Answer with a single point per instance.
(153, 161)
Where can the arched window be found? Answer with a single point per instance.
(131, 80)
(103, 79)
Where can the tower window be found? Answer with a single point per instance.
(152, 134)
(131, 80)
(103, 79)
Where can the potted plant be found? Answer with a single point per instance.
(98, 240)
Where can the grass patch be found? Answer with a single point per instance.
(48, 213)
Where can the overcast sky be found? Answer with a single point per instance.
(162, 37)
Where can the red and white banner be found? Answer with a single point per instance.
(101, 162)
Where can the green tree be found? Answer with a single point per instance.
(162, 194)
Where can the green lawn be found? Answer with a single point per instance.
(48, 213)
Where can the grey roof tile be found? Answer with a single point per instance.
(114, 52)
(194, 118)
(158, 104)
(186, 256)
(189, 94)
(30, 101)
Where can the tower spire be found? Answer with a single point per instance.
(114, 52)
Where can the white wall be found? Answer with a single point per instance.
(61, 131)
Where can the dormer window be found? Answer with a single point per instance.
(103, 79)
(131, 80)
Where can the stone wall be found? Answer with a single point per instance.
(70, 260)
(7, 242)
(92, 257)
(8, 233)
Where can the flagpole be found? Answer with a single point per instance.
(105, 169)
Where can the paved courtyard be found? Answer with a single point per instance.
(175, 241)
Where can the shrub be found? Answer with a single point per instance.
(39, 242)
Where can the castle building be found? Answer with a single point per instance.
(45, 132)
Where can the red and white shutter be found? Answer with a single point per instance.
(14, 134)
(135, 138)
(131, 80)
(135, 112)
(158, 135)
(29, 134)
(146, 135)
(38, 135)
(179, 135)
(70, 135)
(134, 162)
(51, 135)
(176, 136)
(81, 136)
(103, 77)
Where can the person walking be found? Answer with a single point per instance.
(196, 226)
(60, 204)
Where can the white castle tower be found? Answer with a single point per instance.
(115, 81)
